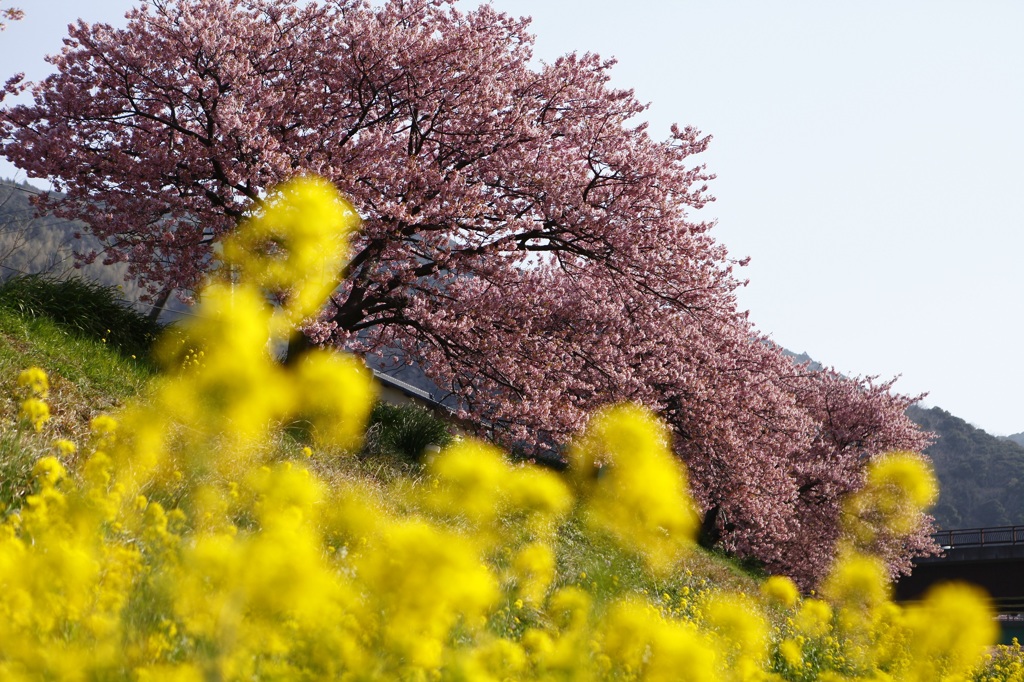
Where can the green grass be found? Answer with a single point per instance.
(87, 375)
(77, 357)
(585, 560)
(17, 456)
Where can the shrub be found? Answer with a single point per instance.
(82, 307)
(404, 431)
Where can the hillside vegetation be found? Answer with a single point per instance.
(53, 247)
(981, 477)
(65, 327)
(43, 244)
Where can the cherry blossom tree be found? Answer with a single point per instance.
(525, 239)
(855, 421)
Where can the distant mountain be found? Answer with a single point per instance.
(1017, 438)
(802, 358)
(981, 477)
(31, 244)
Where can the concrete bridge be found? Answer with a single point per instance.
(992, 558)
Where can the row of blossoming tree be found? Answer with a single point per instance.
(524, 238)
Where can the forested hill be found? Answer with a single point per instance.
(31, 244)
(981, 477)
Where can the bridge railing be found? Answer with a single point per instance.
(980, 537)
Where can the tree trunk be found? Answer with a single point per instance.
(159, 303)
(298, 345)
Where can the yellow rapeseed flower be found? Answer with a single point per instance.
(48, 470)
(740, 629)
(64, 447)
(949, 632)
(36, 412)
(534, 568)
(791, 652)
(35, 380)
(780, 590)
(294, 247)
(907, 473)
(103, 425)
(898, 489)
(813, 618)
(634, 488)
(857, 579)
(335, 394)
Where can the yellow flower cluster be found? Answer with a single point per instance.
(35, 380)
(187, 544)
(293, 249)
(633, 486)
(1007, 663)
(34, 409)
(899, 486)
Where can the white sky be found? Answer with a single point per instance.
(870, 160)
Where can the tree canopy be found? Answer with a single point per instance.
(524, 239)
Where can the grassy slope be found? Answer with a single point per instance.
(89, 376)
